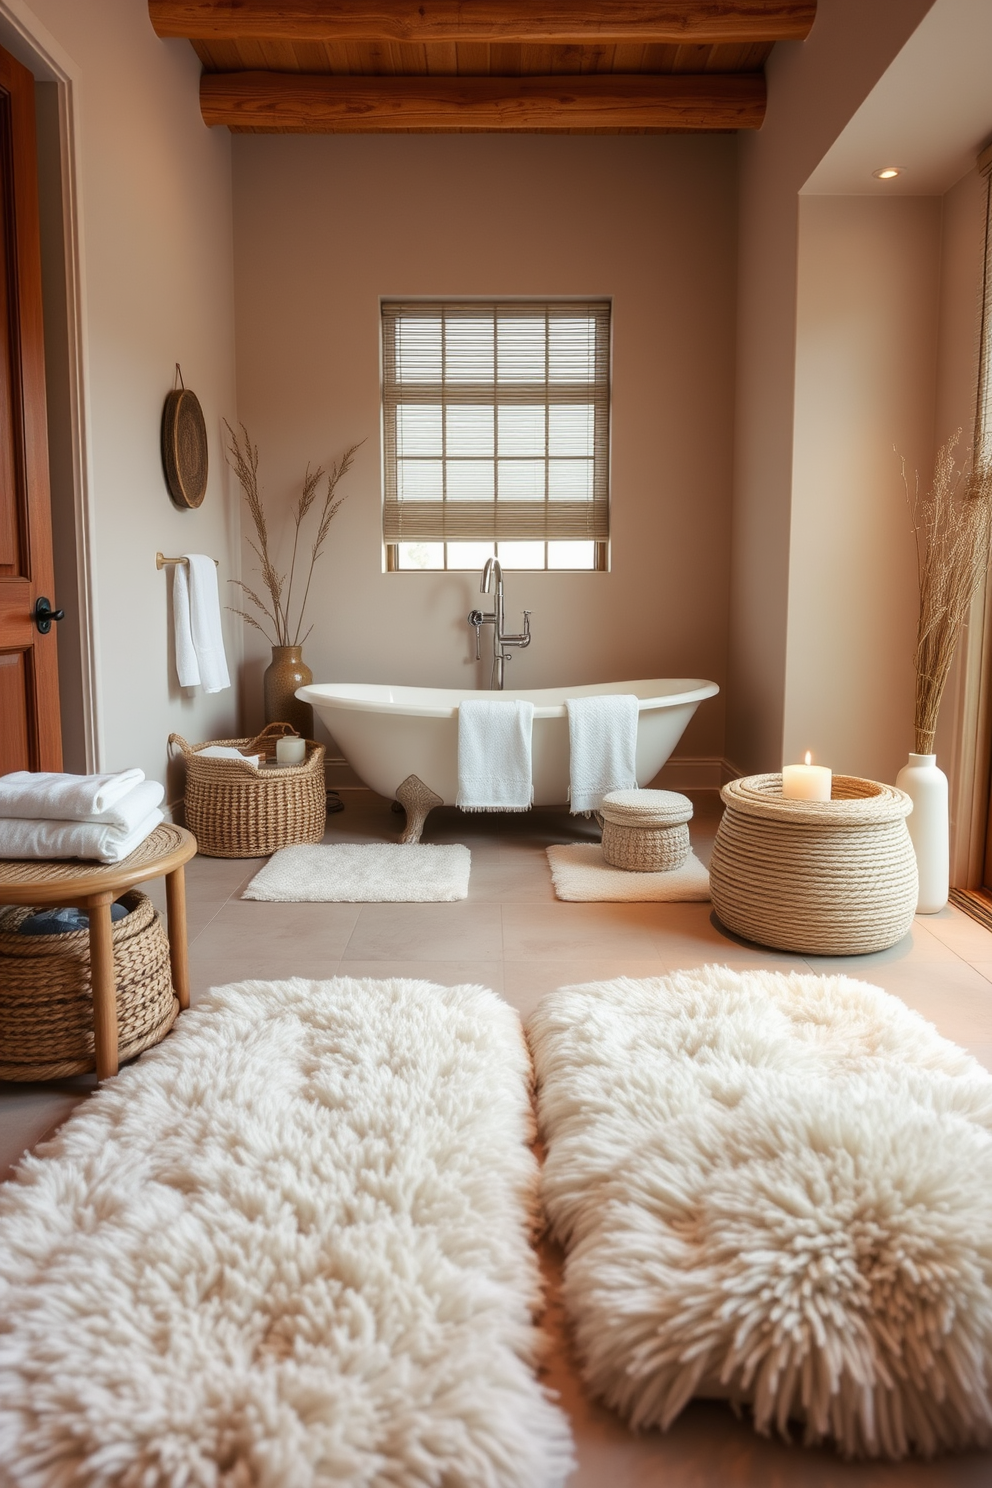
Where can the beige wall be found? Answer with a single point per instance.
(325, 226)
(814, 87)
(155, 259)
(865, 382)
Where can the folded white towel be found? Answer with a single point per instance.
(227, 751)
(20, 837)
(56, 797)
(602, 739)
(200, 656)
(494, 759)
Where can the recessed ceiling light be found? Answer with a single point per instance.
(888, 172)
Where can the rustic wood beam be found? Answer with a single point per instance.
(539, 22)
(294, 103)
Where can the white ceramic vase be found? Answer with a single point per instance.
(926, 786)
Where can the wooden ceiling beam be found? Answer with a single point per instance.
(537, 22)
(294, 103)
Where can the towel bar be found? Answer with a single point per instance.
(161, 560)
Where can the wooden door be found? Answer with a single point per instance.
(29, 697)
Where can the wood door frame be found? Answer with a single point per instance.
(26, 39)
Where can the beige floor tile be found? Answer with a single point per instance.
(30, 1113)
(249, 927)
(426, 932)
(919, 946)
(960, 932)
(445, 973)
(569, 931)
(518, 878)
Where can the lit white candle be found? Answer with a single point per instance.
(806, 782)
(291, 751)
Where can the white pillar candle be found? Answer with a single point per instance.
(291, 751)
(806, 782)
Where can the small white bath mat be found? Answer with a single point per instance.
(364, 873)
(776, 1188)
(579, 872)
(290, 1246)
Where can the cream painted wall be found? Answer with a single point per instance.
(325, 226)
(814, 87)
(154, 201)
(866, 337)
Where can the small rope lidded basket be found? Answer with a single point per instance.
(46, 993)
(832, 878)
(237, 811)
(645, 831)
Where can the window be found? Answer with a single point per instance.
(496, 433)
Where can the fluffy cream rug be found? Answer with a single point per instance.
(579, 872)
(289, 1248)
(364, 873)
(776, 1188)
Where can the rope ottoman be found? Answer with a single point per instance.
(832, 878)
(645, 831)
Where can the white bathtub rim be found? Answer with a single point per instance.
(442, 702)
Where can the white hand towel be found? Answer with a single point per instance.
(56, 797)
(21, 837)
(200, 657)
(602, 739)
(227, 751)
(494, 755)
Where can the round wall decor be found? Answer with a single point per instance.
(184, 448)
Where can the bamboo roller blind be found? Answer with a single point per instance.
(496, 420)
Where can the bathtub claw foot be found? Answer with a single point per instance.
(418, 801)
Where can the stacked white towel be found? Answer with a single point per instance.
(602, 740)
(101, 817)
(200, 656)
(494, 755)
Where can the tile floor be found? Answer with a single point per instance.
(511, 934)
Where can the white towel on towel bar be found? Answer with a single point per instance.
(21, 837)
(53, 796)
(602, 741)
(494, 755)
(200, 657)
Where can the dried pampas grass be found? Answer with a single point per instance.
(952, 525)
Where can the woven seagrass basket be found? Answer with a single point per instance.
(46, 997)
(236, 811)
(832, 878)
(645, 831)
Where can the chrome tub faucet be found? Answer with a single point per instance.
(501, 640)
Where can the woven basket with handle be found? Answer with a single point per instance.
(237, 811)
(46, 996)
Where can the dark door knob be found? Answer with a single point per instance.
(44, 614)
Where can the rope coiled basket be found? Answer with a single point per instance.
(832, 878)
(236, 811)
(46, 996)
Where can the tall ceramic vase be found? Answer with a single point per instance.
(926, 786)
(285, 673)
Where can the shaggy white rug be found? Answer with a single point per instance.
(287, 1249)
(774, 1188)
(364, 873)
(580, 873)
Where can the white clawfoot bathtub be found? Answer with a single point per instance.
(387, 733)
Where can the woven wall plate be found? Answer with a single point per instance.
(184, 448)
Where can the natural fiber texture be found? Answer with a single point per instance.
(46, 997)
(365, 873)
(580, 873)
(165, 839)
(646, 808)
(236, 811)
(832, 878)
(644, 849)
(952, 524)
(288, 1249)
(778, 1189)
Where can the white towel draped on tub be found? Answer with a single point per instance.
(494, 755)
(602, 740)
(200, 654)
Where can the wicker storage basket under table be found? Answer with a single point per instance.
(645, 831)
(237, 811)
(46, 997)
(831, 878)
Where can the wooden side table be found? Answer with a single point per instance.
(94, 887)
